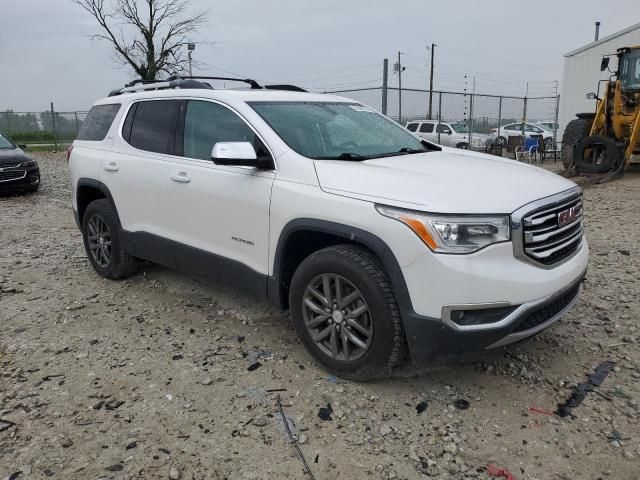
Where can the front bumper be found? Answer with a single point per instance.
(19, 180)
(533, 298)
(433, 340)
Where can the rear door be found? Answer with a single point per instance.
(215, 209)
(136, 171)
(427, 131)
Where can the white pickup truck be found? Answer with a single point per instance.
(448, 134)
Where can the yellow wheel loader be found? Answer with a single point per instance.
(602, 144)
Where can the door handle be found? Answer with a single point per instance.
(180, 178)
(111, 167)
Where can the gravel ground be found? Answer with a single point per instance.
(150, 377)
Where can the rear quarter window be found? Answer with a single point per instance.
(153, 125)
(412, 127)
(98, 121)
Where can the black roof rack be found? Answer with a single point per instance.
(178, 81)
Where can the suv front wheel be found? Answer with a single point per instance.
(345, 313)
(102, 242)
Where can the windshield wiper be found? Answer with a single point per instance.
(356, 157)
(403, 150)
(410, 150)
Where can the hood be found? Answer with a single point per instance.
(8, 156)
(450, 181)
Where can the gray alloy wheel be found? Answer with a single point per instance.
(99, 240)
(337, 317)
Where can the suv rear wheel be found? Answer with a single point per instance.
(344, 312)
(102, 242)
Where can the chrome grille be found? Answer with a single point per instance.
(10, 165)
(553, 232)
(14, 175)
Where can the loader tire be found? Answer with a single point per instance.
(596, 154)
(576, 131)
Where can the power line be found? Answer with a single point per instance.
(499, 61)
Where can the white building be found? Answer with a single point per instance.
(582, 72)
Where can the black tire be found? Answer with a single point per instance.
(120, 264)
(463, 146)
(596, 154)
(364, 271)
(502, 141)
(576, 131)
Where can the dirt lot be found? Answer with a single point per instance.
(149, 378)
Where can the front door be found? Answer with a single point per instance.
(219, 215)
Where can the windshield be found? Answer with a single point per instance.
(5, 144)
(460, 127)
(630, 70)
(345, 131)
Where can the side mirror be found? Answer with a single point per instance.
(592, 96)
(604, 64)
(22, 146)
(238, 154)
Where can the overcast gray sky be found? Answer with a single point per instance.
(46, 53)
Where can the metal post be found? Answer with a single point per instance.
(499, 120)
(77, 123)
(439, 113)
(524, 114)
(473, 95)
(433, 45)
(399, 90)
(190, 48)
(597, 34)
(555, 126)
(385, 84)
(8, 123)
(53, 127)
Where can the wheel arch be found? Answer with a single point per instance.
(88, 190)
(301, 237)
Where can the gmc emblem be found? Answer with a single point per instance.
(568, 216)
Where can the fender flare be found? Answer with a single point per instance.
(96, 185)
(351, 234)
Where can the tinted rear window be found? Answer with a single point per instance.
(426, 127)
(412, 127)
(98, 121)
(154, 124)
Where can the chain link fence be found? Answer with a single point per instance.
(481, 113)
(44, 128)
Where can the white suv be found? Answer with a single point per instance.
(380, 244)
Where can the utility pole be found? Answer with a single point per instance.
(398, 68)
(190, 48)
(385, 84)
(433, 46)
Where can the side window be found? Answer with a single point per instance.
(442, 128)
(207, 123)
(153, 125)
(412, 127)
(426, 127)
(98, 121)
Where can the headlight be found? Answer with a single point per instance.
(453, 233)
(28, 164)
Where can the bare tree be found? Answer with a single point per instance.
(146, 35)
